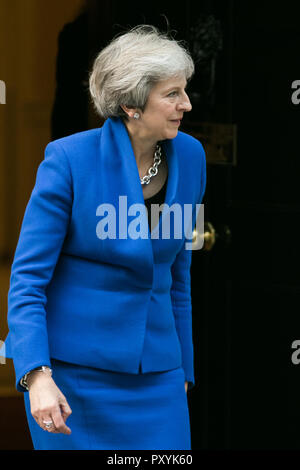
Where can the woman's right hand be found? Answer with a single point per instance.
(47, 403)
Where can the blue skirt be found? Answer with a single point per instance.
(117, 411)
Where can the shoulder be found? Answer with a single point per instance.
(185, 139)
(192, 161)
(81, 139)
(189, 147)
(74, 147)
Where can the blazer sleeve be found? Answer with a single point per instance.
(181, 294)
(42, 234)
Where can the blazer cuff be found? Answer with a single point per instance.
(191, 384)
(19, 377)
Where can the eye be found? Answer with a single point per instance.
(174, 93)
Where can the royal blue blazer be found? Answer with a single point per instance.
(120, 304)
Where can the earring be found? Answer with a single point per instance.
(136, 115)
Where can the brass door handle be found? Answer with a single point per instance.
(206, 239)
(210, 236)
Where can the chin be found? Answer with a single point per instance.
(171, 134)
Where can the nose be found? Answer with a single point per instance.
(185, 104)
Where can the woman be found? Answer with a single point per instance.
(99, 306)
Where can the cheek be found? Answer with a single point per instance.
(166, 113)
(165, 109)
(160, 113)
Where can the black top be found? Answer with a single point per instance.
(158, 198)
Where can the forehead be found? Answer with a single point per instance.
(174, 82)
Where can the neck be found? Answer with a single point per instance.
(143, 145)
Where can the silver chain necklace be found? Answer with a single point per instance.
(154, 169)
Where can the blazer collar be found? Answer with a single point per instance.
(120, 163)
(118, 175)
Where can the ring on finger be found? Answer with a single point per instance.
(48, 424)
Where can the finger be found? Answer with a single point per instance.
(59, 422)
(65, 410)
(40, 420)
(47, 424)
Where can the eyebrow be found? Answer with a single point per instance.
(175, 88)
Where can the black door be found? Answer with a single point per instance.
(246, 289)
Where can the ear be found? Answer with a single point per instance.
(129, 111)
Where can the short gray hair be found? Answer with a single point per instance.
(124, 71)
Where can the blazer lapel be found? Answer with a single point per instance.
(172, 184)
(118, 176)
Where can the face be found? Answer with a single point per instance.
(166, 104)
